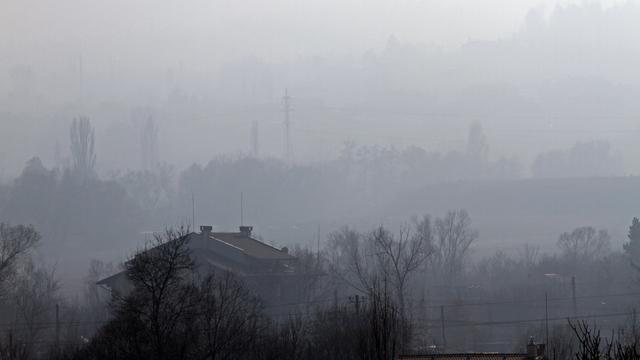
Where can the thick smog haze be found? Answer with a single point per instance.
(225, 179)
(276, 31)
(227, 59)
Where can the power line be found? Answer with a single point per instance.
(52, 324)
(515, 302)
(436, 325)
(441, 326)
(525, 321)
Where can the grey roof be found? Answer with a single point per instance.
(251, 246)
(110, 279)
(242, 244)
(466, 356)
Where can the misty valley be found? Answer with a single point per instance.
(382, 180)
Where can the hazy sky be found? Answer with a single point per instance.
(205, 32)
(122, 55)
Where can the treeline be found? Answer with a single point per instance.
(383, 293)
(78, 211)
(425, 271)
(70, 202)
(216, 316)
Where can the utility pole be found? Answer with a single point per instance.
(57, 328)
(444, 337)
(286, 108)
(573, 296)
(634, 327)
(356, 301)
(193, 212)
(11, 352)
(254, 140)
(546, 318)
(318, 246)
(241, 209)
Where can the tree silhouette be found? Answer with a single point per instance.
(149, 144)
(82, 147)
(632, 248)
(15, 241)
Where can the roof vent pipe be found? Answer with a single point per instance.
(246, 230)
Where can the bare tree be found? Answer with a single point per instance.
(387, 327)
(529, 255)
(584, 244)
(399, 257)
(82, 147)
(149, 144)
(477, 146)
(349, 259)
(453, 238)
(591, 344)
(230, 317)
(15, 242)
(373, 331)
(309, 271)
(35, 297)
(360, 260)
(162, 299)
(96, 299)
(150, 189)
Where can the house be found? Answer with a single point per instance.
(270, 272)
(467, 356)
(534, 352)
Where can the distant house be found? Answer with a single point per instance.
(534, 352)
(468, 356)
(269, 271)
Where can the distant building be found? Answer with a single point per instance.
(534, 352)
(269, 271)
(467, 356)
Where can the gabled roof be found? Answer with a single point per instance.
(241, 244)
(466, 356)
(250, 246)
(113, 278)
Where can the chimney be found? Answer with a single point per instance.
(246, 230)
(535, 351)
(205, 231)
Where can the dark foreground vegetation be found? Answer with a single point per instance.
(175, 311)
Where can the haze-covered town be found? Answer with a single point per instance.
(390, 179)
